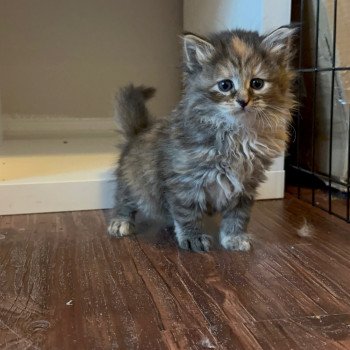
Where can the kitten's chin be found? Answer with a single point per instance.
(239, 117)
(239, 113)
(243, 117)
(243, 114)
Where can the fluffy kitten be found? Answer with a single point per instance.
(213, 150)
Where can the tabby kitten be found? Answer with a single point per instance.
(214, 148)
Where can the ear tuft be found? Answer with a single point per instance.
(279, 41)
(197, 51)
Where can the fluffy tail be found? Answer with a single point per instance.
(131, 114)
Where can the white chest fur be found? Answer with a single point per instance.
(222, 186)
(237, 168)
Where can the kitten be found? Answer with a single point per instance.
(214, 148)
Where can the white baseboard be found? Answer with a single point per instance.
(55, 196)
(86, 194)
(273, 187)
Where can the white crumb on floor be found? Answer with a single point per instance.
(69, 303)
(316, 316)
(306, 229)
(207, 344)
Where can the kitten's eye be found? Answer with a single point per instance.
(225, 85)
(257, 83)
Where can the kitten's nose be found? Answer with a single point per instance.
(242, 103)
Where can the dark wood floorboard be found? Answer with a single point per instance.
(65, 285)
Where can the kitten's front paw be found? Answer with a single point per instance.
(197, 243)
(238, 242)
(120, 227)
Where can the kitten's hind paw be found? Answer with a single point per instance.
(238, 242)
(120, 227)
(197, 243)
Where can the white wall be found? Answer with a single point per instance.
(205, 16)
(67, 57)
(275, 14)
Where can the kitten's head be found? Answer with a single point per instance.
(240, 76)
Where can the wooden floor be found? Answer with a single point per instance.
(65, 285)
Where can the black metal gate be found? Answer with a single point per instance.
(317, 163)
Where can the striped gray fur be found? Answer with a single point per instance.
(210, 152)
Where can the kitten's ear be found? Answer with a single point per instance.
(197, 51)
(279, 41)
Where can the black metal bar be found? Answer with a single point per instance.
(315, 100)
(299, 90)
(301, 32)
(321, 175)
(348, 184)
(326, 210)
(316, 69)
(335, 214)
(332, 108)
(332, 213)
